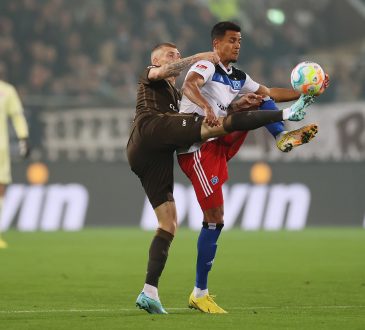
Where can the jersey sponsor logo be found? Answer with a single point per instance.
(222, 107)
(252, 207)
(214, 180)
(201, 67)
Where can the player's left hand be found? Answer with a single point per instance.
(24, 148)
(248, 101)
(251, 100)
(325, 84)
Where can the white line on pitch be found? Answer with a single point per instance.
(172, 308)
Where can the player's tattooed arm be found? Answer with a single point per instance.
(175, 68)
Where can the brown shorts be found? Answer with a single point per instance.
(151, 146)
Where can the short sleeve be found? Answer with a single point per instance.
(205, 68)
(250, 86)
(144, 76)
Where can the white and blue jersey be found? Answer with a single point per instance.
(221, 87)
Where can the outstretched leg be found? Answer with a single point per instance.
(249, 120)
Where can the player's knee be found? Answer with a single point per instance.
(169, 226)
(173, 227)
(167, 216)
(214, 215)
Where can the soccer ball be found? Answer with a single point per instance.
(307, 78)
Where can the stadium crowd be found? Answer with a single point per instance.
(93, 50)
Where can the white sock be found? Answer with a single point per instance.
(198, 293)
(286, 113)
(151, 292)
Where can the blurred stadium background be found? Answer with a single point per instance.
(76, 64)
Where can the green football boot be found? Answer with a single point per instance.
(149, 305)
(297, 112)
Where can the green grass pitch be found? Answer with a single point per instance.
(313, 279)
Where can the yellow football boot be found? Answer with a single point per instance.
(205, 304)
(296, 138)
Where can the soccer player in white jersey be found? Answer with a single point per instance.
(10, 107)
(211, 88)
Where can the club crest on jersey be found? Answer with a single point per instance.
(201, 67)
(236, 84)
(214, 180)
(172, 107)
(225, 80)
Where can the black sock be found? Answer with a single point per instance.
(248, 120)
(157, 256)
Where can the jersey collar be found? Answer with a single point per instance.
(228, 71)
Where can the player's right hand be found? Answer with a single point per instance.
(210, 56)
(24, 148)
(325, 84)
(210, 117)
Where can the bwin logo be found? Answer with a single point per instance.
(184, 122)
(253, 207)
(46, 208)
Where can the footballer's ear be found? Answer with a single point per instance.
(155, 61)
(215, 43)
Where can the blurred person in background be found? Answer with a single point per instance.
(10, 107)
(44, 37)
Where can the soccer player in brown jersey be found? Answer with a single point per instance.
(158, 130)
